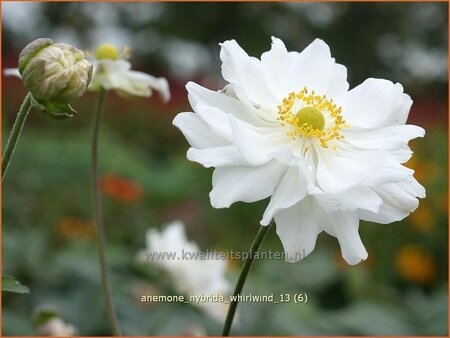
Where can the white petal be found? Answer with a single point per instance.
(245, 112)
(344, 226)
(108, 73)
(381, 166)
(412, 187)
(246, 184)
(387, 138)
(277, 63)
(267, 114)
(389, 171)
(217, 157)
(117, 75)
(359, 197)
(113, 65)
(399, 200)
(375, 103)
(340, 170)
(316, 69)
(401, 153)
(216, 119)
(172, 238)
(257, 145)
(159, 84)
(279, 72)
(197, 132)
(313, 67)
(338, 81)
(290, 190)
(298, 230)
(337, 173)
(12, 72)
(239, 68)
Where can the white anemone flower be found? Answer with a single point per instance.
(113, 73)
(288, 127)
(191, 272)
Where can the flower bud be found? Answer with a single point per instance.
(54, 72)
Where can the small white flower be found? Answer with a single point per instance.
(113, 73)
(287, 127)
(57, 327)
(191, 273)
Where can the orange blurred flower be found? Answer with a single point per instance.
(71, 227)
(121, 189)
(415, 264)
(423, 219)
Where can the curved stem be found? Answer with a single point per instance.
(15, 133)
(243, 276)
(99, 215)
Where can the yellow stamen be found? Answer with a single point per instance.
(126, 52)
(311, 115)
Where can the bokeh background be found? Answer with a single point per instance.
(48, 235)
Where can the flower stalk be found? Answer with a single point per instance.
(99, 214)
(243, 277)
(15, 133)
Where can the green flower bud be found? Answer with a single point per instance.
(54, 72)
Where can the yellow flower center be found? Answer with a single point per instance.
(309, 115)
(107, 51)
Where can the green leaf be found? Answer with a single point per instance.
(43, 314)
(10, 284)
(58, 111)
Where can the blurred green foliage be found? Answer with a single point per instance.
(405, 42)
(48, 236)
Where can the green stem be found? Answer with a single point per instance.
(15, 133)
(99, 215)
(243, 276)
